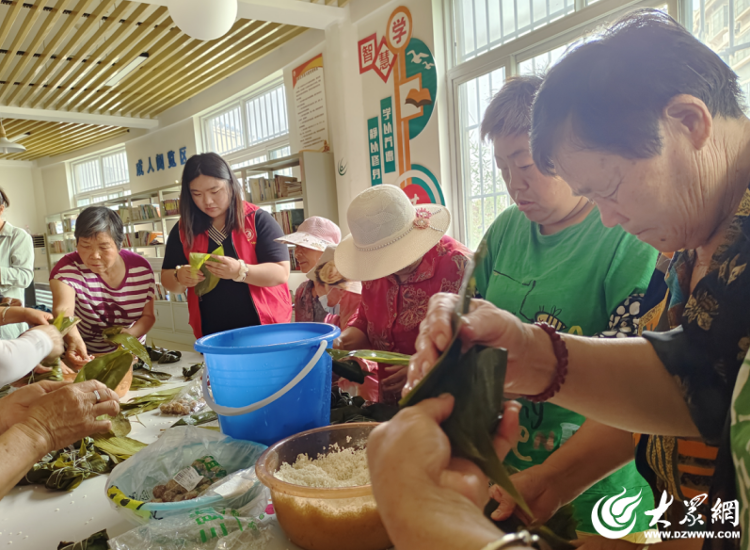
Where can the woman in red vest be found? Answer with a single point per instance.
(254, 269)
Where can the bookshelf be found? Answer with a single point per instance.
(317, 197)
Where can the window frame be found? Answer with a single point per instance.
(76, 195)
(246, 153)
(509, 56)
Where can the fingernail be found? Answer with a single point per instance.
(440, 341)
(445, 395)
(425, 367)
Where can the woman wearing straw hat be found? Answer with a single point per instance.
(310, 240)
(403, 257)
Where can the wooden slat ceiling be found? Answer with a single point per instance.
(60, 54)
(55, 138)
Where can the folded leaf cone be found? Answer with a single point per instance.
(197, 263)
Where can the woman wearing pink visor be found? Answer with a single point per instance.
(310, 241)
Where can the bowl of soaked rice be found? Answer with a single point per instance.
(320, 487)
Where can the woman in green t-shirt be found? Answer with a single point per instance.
(550, 259)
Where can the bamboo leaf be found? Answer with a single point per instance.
(128, 342)
(97, 541)
(387, 357)
(149, 402)
(109, 369)
(191, 371)
(197, 419)
(197, 262)
(118, 448)
(120, 425)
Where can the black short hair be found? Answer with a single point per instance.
(99, 219)
(509, 112)
(614, 88)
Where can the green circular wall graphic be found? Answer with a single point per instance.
(419, 60)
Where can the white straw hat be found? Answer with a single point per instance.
(325, 272)
(387, 233)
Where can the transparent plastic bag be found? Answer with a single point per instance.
(130, 485)
(204, 529)
(188, 401)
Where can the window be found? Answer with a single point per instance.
(724, 26)
(496, 39)
(252, 121)
(101, 177)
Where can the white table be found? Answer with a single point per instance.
(35, 518)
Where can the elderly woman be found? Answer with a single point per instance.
(310, 240)
(646, 122)
(253, 270)
(16, 265)
(550, 259)
(403, 257)
(103, 285)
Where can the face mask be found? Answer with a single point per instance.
(323, 301)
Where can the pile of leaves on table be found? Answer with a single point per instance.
(97, 541)
(65, 469)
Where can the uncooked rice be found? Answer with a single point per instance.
(339, 468)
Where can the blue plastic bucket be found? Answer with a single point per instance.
(269, 381)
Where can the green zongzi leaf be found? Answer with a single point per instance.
(191, 371)
(97, 541)
(149, 402)
(387, 357)
(197, 262)
(109, 369)
(197, 419)
(127, 342)
(118, 448)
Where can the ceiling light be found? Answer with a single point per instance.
(196, 19)
(129, 68)
(19, 137)
(6, 145)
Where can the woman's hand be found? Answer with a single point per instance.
(13, 302)
(58, 346)
(426, 499)
(76, 355)
(68, 414)
(189, 277)
(224, 267)
(36, 317)
(14, 407)
(487, 325)
(352, 339)
(396, 379)
(537, 489)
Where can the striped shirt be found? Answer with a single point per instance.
(99, 306)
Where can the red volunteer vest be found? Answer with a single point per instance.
(273, 303)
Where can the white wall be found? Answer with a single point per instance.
(18, 184)
(55, 186)
(159, 141)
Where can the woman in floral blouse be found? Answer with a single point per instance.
(403, 257)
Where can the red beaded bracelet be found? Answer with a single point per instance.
(561, 353)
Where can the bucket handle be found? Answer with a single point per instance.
(236, 411)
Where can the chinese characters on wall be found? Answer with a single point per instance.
(159, 161)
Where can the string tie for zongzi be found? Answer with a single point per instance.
(522, 538)
(561, 371)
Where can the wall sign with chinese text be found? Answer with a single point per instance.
(159, 162)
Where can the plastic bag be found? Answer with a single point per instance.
(206, 529)
(188, 401)
(130, 485)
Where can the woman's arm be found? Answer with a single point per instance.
(618, 382)
(268, 274)
(20, 272)
(45, 429)
(64, 301)
(593, 453)
(144, 323)
(18, 357)
(352, 339)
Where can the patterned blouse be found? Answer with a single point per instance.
(704, 350)
(307, 308)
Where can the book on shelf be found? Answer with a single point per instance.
(54, 228)
(293, 263)
(144, 212)
(163, 294)
(171, 207)
(280, 187)
(69, 224)
(143, 238)
(286, 186)
(124, 213)
(62, 247)
(289, 220)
